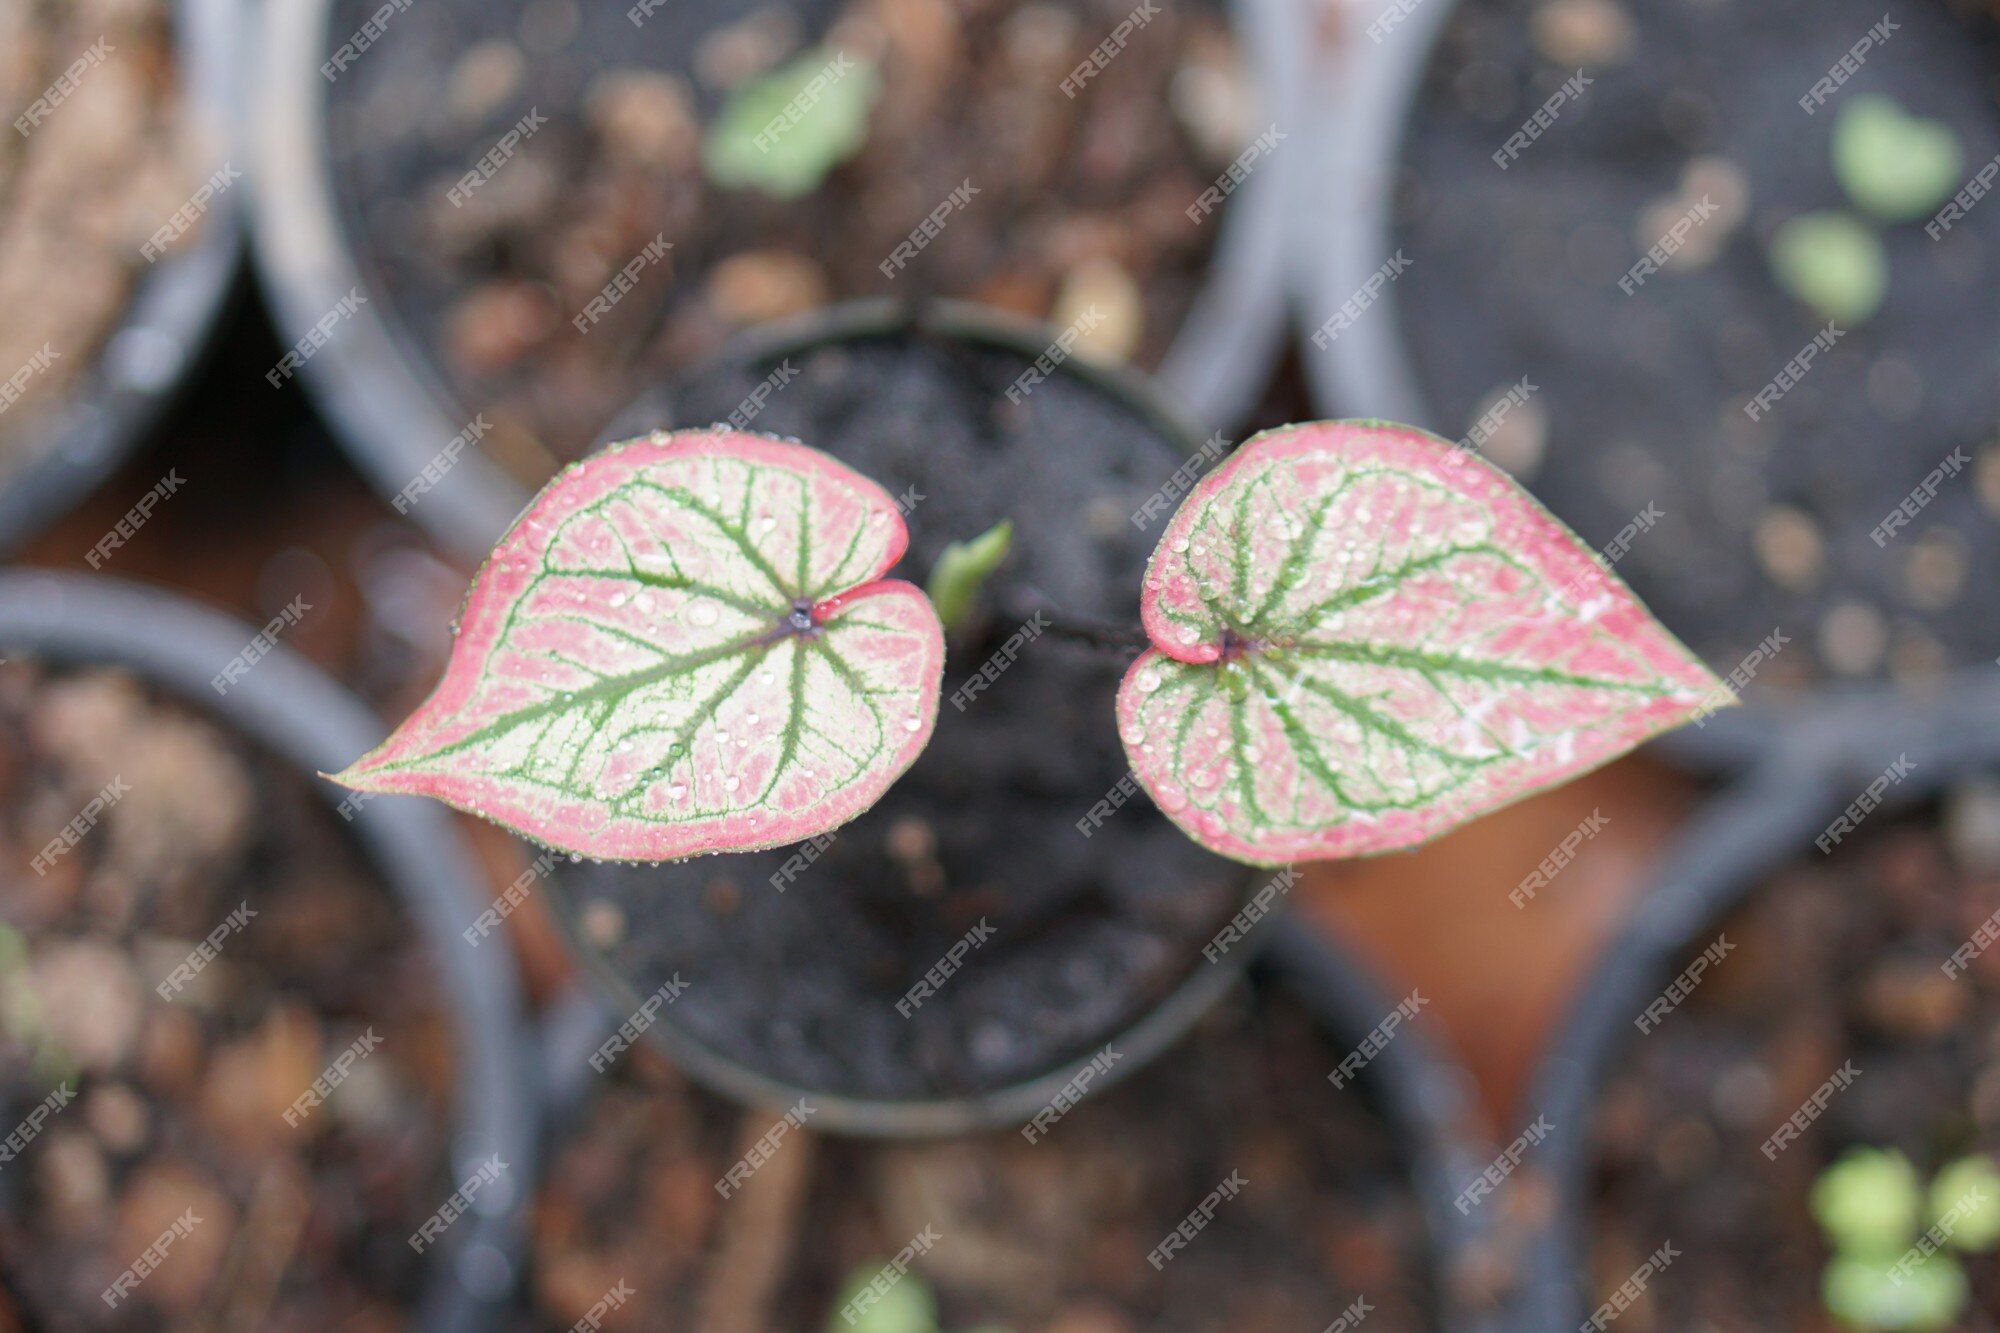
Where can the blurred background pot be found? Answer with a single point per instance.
(1835, 958)
(591, 139)
(120, 677)
(1522, 259)
(120, 234)
(1340, 1196)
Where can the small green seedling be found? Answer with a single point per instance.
(871, 1304)
(1893, 165)
(961, 571)
(784, 133)
(1892, 1267)
(1833, 263)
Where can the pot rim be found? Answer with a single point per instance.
(393, 412)
(930, 1117)
(168, 320)
(302, 717)
(1426, 1095)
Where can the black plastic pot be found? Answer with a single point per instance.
(393, 411)
(169, 319)
(1349, 229)
(1429, 1100)
(975, 354)
(1745, 831)
(291, 710)
(1423, 1099)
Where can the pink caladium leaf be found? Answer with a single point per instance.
(683, 646)
(1364, 637)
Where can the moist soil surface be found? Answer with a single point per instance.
(177, 1104)
(1836, 959)
(799, 977)
(1640, 399)
(1050, 1237)
(1081, 200)
(98, 172)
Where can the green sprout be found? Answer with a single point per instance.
(1868, 1201)
(21, 1014)
(1833, 263)
(1968, 1190)
(1861, 1291)
(905, 1306)
(961, 571)
(785, 132)
(1892, 164)
(1889, 1270)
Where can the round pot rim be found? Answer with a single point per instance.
(869, 318)
(393, 412)
(1427, 1097)
(168, 319)
(300, 716)
(1138, 1042)
(1718, 859)
(1346, 228)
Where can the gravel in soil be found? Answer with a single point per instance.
(1834, 961)
(1754, 523)
(177, 1102)
(1081, 201)
(105, 156)
(1050, 1237)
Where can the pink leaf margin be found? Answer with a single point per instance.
(1524, 526)
(512, 567)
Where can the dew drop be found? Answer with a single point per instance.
(766, 524)
(722, 733)
(732, 783)
(619, 598)
(1171, 799)
(677, 792)
(1189, 634)
(703, 613)
(750, 719)
(1149, 681)
(913, 724)
(1180, 545)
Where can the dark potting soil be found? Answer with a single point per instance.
(1640, 399)
(798, 976)
(176, 1104)
(1050, 1237)
(1080, 200)
(1834, 960)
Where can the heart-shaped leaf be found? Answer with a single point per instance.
(681, 647)
(1364, 637)
(1893, 164)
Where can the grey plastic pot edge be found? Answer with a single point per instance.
(1344, 233)
(1138, 1043)
(296, 712)
(1428, 1098)
(1742, 833)
(172, 314)
(394, 414)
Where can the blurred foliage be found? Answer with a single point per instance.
(782, 134)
